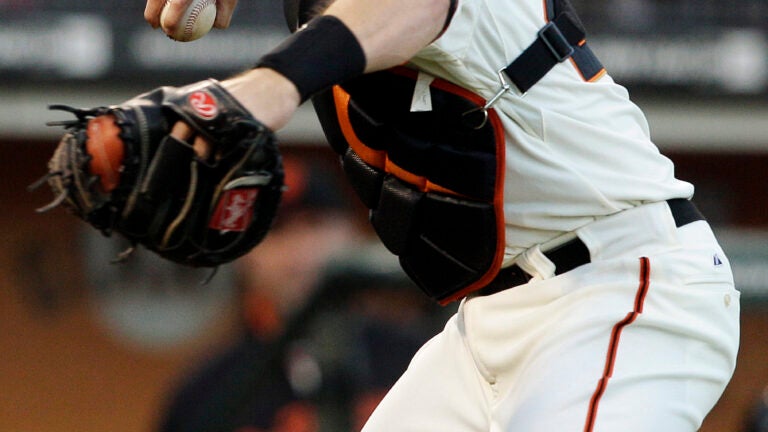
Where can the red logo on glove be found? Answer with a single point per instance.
(235, 210)
(204, 105)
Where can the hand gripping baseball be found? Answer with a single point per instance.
(176, 9)
(119, 169)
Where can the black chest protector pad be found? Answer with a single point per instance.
(433, 180)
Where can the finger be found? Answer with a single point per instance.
(202, 148)
(152, 12)
(182, 132)
(224, 11)
(174, 12)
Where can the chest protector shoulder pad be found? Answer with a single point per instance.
(433, 180)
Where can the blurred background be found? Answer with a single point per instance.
(88, 346)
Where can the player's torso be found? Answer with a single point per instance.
(576, 150)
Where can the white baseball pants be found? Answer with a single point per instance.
(642, 339)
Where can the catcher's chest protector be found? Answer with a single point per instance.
(432, 178)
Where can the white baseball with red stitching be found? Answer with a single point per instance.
(195, 23)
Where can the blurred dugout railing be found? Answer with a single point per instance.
(93, 51)
(672, 16)
(87, 51)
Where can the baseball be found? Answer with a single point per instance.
(196, 21)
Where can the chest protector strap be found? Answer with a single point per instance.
(433, 182)
(562, 38)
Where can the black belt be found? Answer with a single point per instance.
(575, 253)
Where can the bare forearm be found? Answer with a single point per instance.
(386, 35)
(269, 96)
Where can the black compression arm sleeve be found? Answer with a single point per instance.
(322, 54)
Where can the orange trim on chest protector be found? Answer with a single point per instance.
(375, 158)
(379, 158)
(498, 199)
(498, 202)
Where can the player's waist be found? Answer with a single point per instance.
(637, 229)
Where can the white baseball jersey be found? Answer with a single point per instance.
(641, 338)
(576, 150)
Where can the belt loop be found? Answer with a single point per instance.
(575, 252)
(534, 262)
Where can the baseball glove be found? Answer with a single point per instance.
(118, 169)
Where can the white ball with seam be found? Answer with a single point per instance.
(195, 23)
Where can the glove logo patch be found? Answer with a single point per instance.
(204, 105)
(235, 210)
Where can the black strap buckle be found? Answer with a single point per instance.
(554, 39)
(560, 39)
